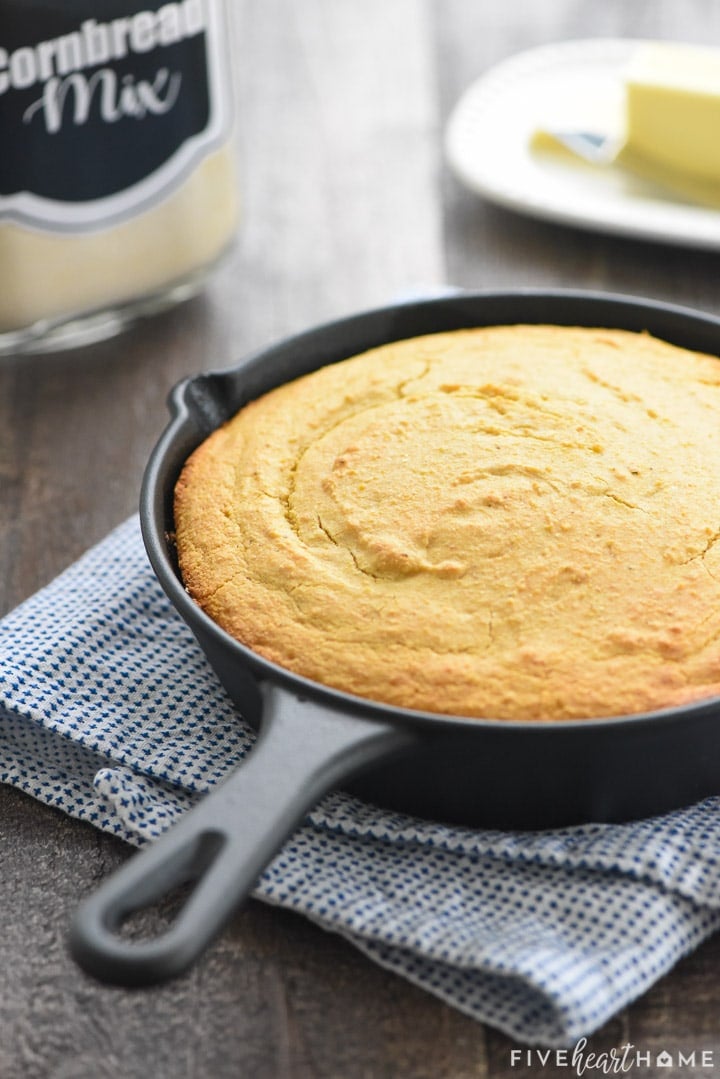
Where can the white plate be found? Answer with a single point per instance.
(573, 83)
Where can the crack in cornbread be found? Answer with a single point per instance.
(518, 522)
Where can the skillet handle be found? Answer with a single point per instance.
(224, 844)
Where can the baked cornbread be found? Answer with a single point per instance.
(515, 522)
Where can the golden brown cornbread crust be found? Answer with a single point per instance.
(516, 522)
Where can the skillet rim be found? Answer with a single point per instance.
(157, 487)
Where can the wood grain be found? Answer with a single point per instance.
(347, 203)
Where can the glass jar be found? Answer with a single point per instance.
(118, 190)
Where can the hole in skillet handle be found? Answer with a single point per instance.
(305, 747)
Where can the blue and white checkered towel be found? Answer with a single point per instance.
(109, 710)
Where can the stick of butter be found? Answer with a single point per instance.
(672, 108)
(667, 127)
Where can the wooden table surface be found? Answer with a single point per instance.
(347, 203)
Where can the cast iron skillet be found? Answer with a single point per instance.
(481, 772)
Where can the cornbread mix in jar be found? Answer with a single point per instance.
(117, 178)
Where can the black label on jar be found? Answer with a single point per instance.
(105, 108)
